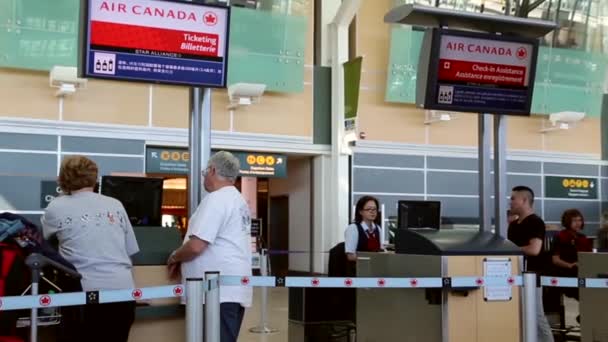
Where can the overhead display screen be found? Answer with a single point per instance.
(155, 41)
(476, 72)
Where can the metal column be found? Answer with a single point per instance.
(529, 308)
(500, 175)
(194, 309)
(199, 143)
(212, 307)
(485, 186)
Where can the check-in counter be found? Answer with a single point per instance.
(454, 315)
(593, 303)
(162, 319)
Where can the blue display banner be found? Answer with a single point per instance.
(157, 69)
(481, 96)
(155, 41)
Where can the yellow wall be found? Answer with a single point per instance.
(27, 94)
(405, 123)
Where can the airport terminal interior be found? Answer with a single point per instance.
(435, 108)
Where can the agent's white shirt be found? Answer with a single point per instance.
(223, 220)
(351, 236)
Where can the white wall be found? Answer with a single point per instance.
(297, 187)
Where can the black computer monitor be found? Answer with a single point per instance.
(142, 197)
(419, 214)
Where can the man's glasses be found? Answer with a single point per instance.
(205, 172)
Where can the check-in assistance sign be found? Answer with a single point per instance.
(155, 41)
(475, 72)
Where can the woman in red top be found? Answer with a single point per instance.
(569, 242)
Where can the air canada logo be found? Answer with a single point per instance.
(45, 300)
(522, 53)
(136, 294)
(178, 291)
(210, 19)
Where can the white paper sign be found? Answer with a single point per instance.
(499, 268)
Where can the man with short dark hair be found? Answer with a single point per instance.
(528, 232)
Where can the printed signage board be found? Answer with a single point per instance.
(176, 160)
(476, 72)
(49, 190)
(570, 187)
(156, 41)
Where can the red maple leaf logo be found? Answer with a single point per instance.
(479, 281)
(381, 282)
(554, 281)
(348, 282)
(45, 300)
(245, 281)
(178, 291)
(315, 282)
(210, 18)
(511, 281)
(522, 53)
(136, 294)
(414, 282)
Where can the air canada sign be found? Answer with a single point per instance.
(475, 72)
(208, 18)
(156, 41)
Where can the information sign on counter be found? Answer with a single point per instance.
(499, 268)
(476, 72)
(155, 41)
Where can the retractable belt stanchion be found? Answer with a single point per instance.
(529, 314)
(212, 307)
(263, 327)
(194, 309)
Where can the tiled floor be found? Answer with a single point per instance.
(277, 317)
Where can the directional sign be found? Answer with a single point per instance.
(570, 187)
(48, 191)
(175, 160)
(167, 160)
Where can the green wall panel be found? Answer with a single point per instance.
(267, 48)
(38, 34)
(403, 61)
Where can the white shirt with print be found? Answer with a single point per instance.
(223, 220)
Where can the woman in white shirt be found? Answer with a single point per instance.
(364, 234)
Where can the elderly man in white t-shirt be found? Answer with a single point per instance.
(218, 239)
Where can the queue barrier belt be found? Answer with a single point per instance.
(175, 291)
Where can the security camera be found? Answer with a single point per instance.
(562, 121)
(243, 94)
(566, 117)
(66, 79)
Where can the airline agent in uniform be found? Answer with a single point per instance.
(364, 234)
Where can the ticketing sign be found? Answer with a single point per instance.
(155, 41)
(476, 72)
